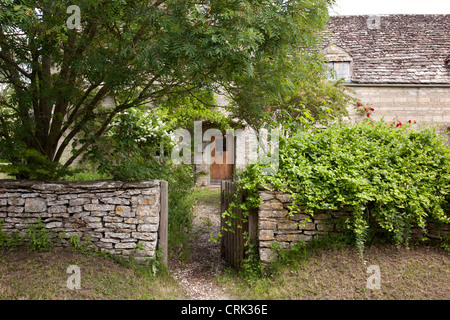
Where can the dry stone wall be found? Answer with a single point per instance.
(120, 218)
(277, 225)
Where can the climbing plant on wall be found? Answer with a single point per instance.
(397, 176)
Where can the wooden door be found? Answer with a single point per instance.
(222, 171)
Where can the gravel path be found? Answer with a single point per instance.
(198, 275)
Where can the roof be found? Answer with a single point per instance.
(400, 49)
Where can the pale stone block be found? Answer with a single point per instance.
(147, 228)
(120, 227)
(94, 225)
(144, 236)
(13, 209)
(130, 245)
(98, 207)
(266, 195)
(16, 201)
(148, 220)
(267, 225)
(35, 205)
(57, 209)
(266, 235)
(118, 235)
(325, 226)
(74, 209)
(291, 225)
(91, 219)
(52, 225)
(125, 211)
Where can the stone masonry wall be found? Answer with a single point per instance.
(120, 218)
(426, 105)
(276, 225)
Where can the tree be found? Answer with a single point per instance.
(290, 83)
(57, 77)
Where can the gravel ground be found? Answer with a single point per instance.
(198, 275)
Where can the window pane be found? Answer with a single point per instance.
(342, 70)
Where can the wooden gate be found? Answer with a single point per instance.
(234, 244)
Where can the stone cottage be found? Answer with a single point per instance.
(399, 65)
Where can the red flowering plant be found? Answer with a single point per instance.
(364, 109)
(367, 111)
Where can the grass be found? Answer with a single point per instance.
(328, 269)
(420, 272)
(339, 273)
(33, 275)
(207, 196)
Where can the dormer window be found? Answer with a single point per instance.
(340, 62)
(341, 69)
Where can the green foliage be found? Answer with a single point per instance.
(181, 110)
(5, 239)
(33, 165)
(396, 177)
(86, 172)
(250, 268)
(39, 237)
(136, 52)
(135, 147)
(287, 83)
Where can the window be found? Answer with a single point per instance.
(339, 61)
(342, 70)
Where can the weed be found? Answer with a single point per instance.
(154, 266)
(39, 237)
(4, 238)
(299, 252)
(251, 265)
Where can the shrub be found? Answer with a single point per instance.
(398, 177)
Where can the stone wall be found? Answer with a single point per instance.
(276, 225)
(120, 218)
(428, 105)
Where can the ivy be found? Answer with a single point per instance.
(395, 176)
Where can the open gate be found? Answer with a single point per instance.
(234, 244)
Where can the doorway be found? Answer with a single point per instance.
(221, 171)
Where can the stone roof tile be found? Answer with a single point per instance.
(395, 48)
